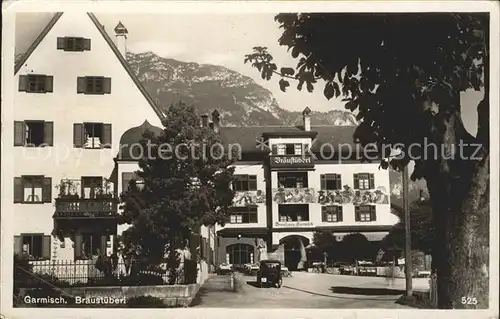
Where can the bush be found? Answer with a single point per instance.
(145, 302)
(143, 280)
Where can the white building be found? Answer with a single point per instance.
(285, 194)
(77, 98)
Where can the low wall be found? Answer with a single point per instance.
(172, 295)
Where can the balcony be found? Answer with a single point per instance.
(293, 195)
(85, 208)
(291, 161)
(249, 198)
(81, 200)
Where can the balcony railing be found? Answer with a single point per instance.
(246, 198)
(291, 161)
(293, 195)
(85, 208)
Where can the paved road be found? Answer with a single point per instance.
(303, 290)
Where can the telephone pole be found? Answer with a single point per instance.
(408, 259)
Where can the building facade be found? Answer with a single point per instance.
(293, 181)
(76, 99)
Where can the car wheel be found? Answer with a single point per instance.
(279, 283)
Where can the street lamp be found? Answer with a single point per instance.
(406, 207)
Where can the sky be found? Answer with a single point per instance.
(215, 39)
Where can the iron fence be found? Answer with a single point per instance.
(87, 273)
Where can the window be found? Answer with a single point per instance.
(73, 44)
(292, 179)
(365, 213)
(293, 213)
(32, 189)
(92, 135)
(91, 186)
(364, 181)
(245, 183)
(287, 149)
(33, 133)
(93, 85)
(243, 215)
(37, 246)
(36, 83)
(332, 214)
(89, 245)
(331, 182)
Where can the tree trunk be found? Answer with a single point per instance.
(459, 190)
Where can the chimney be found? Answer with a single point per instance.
(204, 120)
(306, 115)
(121, 38)
(216, 121)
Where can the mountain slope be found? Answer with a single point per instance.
(238, 98)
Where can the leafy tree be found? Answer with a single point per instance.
(357, 246)
(325, 242)
(402, 74)
(421, 226)
(186, 178)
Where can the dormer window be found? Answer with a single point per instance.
(73, 44)
(288, 149)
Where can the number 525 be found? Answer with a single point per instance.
(469, 301)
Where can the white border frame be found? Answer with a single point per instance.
(224, 7)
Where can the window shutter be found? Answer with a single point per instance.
(81, 85)
(46, 247)
(106, 135)
(323, 181)
(48, 133)
(275, 149)
(373, 213)
(78, 135)
(18, 190)
(61, 43)
(106, 85)
(18, 245)
(47, 190)
(323, 213)
(372, 181)
(49, 83)
(23, 83)
(19, 133)
(340, 213)
(103, 247)
(86, 44)
(356, 181)
(78, 246)
(339, 181)
(356, 213)
(126, 178)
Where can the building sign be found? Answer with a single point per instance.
(291, 161)
(350, 196)
(293, 195)
(245, 198)
(293, 224)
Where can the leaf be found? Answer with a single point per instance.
(351, 106)
(284, 84)
(329, 91)
(287, 71)
(301, 83)
(310, 87)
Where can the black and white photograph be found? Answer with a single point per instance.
(319, 159)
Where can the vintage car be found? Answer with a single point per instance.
(269, 274)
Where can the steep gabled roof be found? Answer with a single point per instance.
(111, 44)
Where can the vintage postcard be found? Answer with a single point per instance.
(260, 159)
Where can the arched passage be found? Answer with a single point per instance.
(240, 254)
(295, 252)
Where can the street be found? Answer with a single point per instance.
(305, 290)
